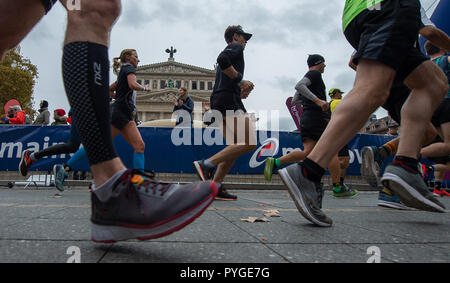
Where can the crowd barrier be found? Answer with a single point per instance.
(167, 150)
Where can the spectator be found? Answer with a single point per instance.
(60, 118)
(16, 116)
(44, 115)
(184, 102)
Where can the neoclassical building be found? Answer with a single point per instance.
(165, 79)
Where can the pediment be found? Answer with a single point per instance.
(167, 95)
(174, 68)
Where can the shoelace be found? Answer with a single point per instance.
(137, 179)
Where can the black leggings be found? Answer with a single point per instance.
(70, 147)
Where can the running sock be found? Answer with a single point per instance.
(312, 171)
(138, 160)
(86, 80)
(76, 160)
(407, 163)
(209, 163)
(104, 192)
(277, 163)
(387, 149)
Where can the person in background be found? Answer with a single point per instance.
(60, 117)
(16, 116)
(44, 115)
(184, 102)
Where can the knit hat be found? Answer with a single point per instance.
(60, 112)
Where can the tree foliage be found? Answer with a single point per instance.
(17, 80)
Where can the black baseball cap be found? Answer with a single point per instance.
(315, 59)
(236, 29)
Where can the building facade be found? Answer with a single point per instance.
(165, 79)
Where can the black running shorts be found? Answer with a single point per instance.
(397, 97)
(389, 35)
(121, 116)
(442, 114)
(48, 4)
(223, 101)
(344, 152)
(312, 125)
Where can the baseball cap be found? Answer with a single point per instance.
(333, 91)
(315, 59)
(236, 29)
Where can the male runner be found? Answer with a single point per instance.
(226, 101)
(126, 204)
(384, 39)
(311, 93)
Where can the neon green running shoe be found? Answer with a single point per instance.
(344, 192)
(269, 168)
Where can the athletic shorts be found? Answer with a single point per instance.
(312, 125)
(397, 97)
(223, 101)
(344, 152)
(442, 114)
(121, 116)
(388, 35)
(48, 4)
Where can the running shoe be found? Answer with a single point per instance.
(25, 162)
(344, 192)
(386, 198)
(411, 189)
(269, 168)
(142, 208)
(371, 165)
(224, 195)
(441, 193)
(203, 171)
(306, 195)
(60, 176)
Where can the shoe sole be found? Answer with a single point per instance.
(389, 204)
(298, 198)
(199, 171)
(349, 196)
(408, 195)
(59, 186)
(367, 170)
(226, 199)
(112, 234)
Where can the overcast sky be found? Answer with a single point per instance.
(284, 33)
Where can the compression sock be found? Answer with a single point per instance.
(138, 160)
(312, 171)
(77, 159)
(86, 80)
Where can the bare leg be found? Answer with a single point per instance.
(428, 90)
(442, 148)
(366, 96)
(16, 21)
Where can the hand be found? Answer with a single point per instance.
(181, 102)
(322, 104)
(147, 86)
(175, 102)
(246, 88)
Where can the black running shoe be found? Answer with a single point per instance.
(203, 171)
(224, 195)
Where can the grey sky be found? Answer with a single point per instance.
(285, 32)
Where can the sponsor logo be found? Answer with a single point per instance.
(268, 148)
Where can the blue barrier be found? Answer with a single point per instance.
(162, 155)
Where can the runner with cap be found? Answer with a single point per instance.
(341, 189)
(226, 102)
